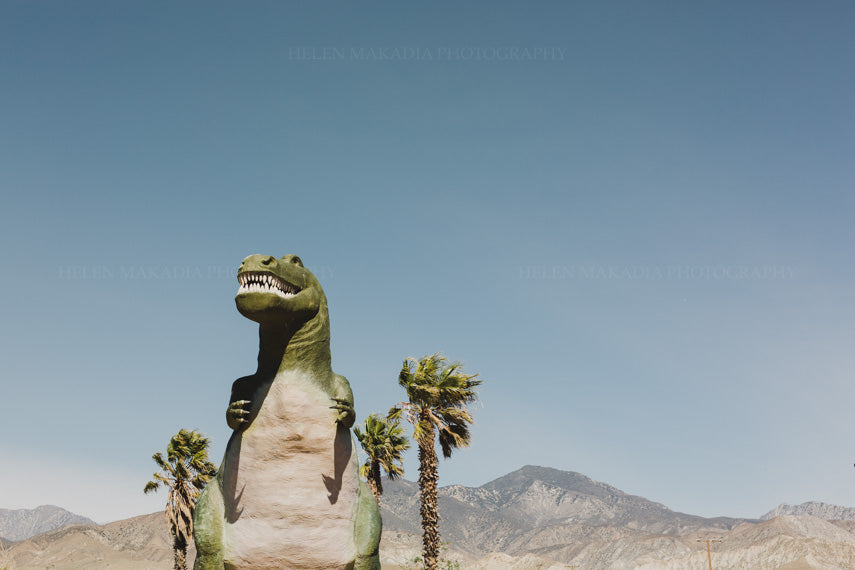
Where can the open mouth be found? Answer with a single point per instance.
(253, 282)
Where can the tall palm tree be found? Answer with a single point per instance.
(185, 471)
(437, 394)
(383, 442)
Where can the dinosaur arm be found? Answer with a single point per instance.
(240, 405)
(343, 401)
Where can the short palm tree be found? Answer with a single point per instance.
(437, 393)
(185, 472)
(383, 442)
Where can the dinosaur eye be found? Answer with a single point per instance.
(291, 259)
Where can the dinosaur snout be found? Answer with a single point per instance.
(257, 262)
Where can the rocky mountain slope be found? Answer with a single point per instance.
(814, 509)
(19, 524)
(540, 511)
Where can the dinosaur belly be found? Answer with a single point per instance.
(290, 483)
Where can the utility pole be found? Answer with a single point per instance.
(709, 552)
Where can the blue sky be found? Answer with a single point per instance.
(634, 220)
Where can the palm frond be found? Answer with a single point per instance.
(163, 464)
(453, 437)
(364, 469)
(394, 471)
(167, 481)
(448, 416)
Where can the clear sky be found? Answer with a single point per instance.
(633, 219)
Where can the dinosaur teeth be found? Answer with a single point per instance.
(265, 283)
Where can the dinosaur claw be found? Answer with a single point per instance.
(237, 412)
(347, 415)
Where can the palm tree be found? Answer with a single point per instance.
(185, 471)
(438, 392)
(383, 442)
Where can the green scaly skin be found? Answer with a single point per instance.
(293, 338)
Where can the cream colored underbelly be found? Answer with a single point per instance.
(290, 484)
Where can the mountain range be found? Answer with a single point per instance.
(535, 517)
(19, 524)
(814, 509)
(541, 511)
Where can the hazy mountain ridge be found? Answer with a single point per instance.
(816, 509)
(533, 517)
(20, 524)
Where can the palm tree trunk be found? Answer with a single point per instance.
(375, 481)
(179, 552)
(428, 479)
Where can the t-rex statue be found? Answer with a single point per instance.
(288, 493)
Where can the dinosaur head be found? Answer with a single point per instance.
(278, 292)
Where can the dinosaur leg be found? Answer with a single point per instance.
(368, 527)
(208, 527)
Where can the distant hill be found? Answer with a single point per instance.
(139, 543)
(21, 524)
(783, 543)
(819, 510)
